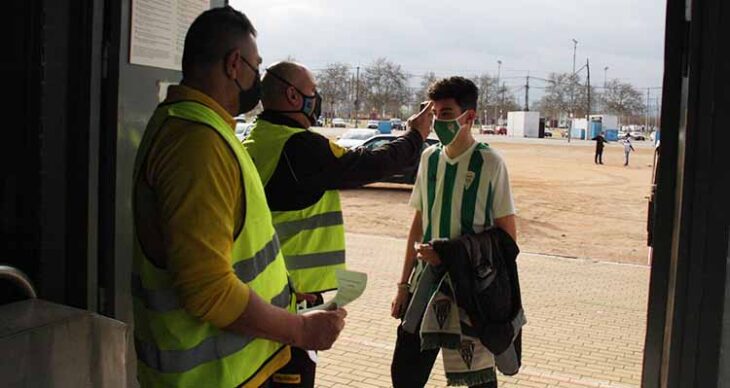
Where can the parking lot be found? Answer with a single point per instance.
(566, 205)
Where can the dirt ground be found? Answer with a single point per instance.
(566, 205)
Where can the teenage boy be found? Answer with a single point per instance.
(462, 188)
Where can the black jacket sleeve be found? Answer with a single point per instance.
(316, 167)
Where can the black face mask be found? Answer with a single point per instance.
(311, 105)
(249, 98)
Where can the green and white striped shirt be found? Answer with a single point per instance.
(461, 195)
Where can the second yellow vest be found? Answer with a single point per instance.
(312, 239)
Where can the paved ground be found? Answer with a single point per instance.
(586, 322)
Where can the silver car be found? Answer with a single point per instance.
(356, 137)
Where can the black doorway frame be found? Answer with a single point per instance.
(688, 277)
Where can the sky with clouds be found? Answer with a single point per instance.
(468, 37)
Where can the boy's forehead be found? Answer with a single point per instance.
(446, 104)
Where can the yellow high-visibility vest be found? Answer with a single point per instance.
(177, 349)
(312, 239)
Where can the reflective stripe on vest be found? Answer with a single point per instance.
(288, 229)
(212, 348)
(312, 239)
(163, 300)
(177, 349)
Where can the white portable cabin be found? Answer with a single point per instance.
(523, 124)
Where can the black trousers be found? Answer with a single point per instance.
(599, 157)
(411, 367)
(301, 370)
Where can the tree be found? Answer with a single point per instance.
(566, 94)
(622, 99)
(558, 97)
(386, 87)
(489, 100)
(427, 80)
(334, 84)
(488, 90)
(507, 101)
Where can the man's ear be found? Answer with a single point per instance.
(291, 95)
(231, 63)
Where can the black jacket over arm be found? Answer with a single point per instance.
(483, 271)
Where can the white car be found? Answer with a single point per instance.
(356, 137)
(242, 130)
(373, 124)
(339, 123)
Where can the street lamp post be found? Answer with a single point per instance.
(605, 76)
(572, 92)
(499, 75)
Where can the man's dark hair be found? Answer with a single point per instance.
(462, 90)
(212, 35)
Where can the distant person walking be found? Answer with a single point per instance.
(627, 150)
(600, 140)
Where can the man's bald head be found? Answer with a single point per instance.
(274, 89)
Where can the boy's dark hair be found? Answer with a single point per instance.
(462, 90)
(212, 35)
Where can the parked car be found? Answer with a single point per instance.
(243, 129)
(548, 133)
(493, 130)
(372, 124)
(339, 123)
(319, 123)
(397, 124)
(407, 175)
(636, 135)
(356, 137)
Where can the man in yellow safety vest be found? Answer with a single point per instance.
(213, 306)
(301, 171)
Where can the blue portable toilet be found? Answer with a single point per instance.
(595, 129)
(611, 134)
(385, 126)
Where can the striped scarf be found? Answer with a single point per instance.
(444, 325)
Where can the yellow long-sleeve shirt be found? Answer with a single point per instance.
(199, 209)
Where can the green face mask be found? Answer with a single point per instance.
(446, 130)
